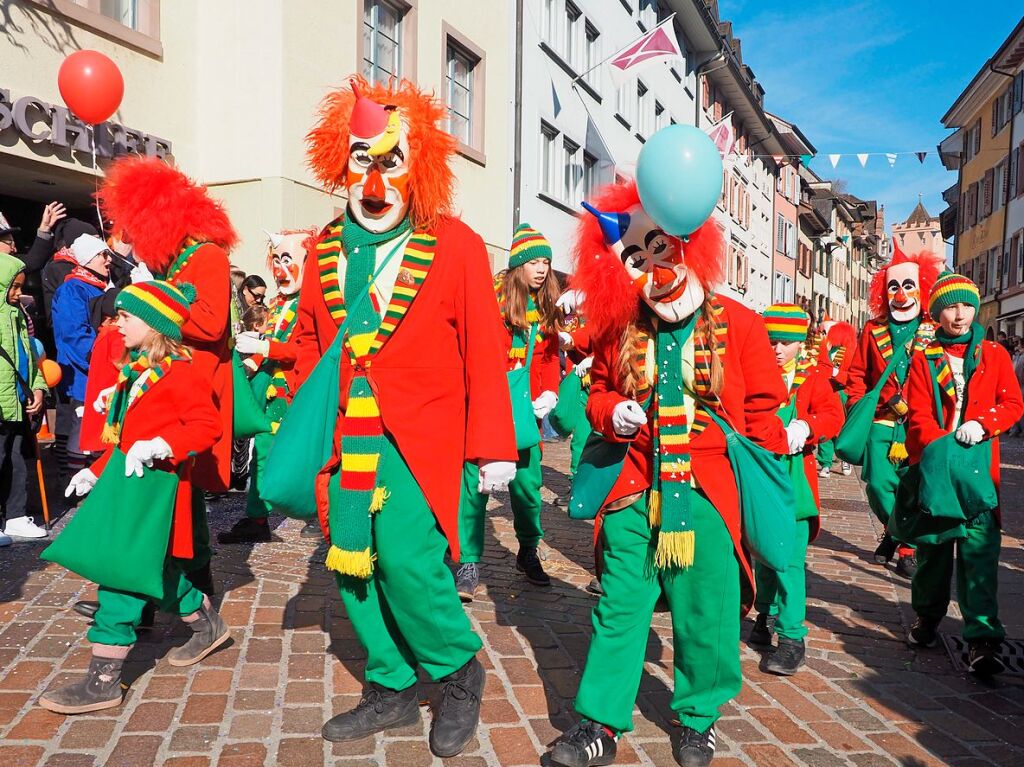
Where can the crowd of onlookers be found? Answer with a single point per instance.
(1015, 346)
(60, 286)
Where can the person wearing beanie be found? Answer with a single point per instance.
(527, 294)
(812, 415)
(963, 394)
(158, 417)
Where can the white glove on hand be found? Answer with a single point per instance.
(970, 433)
(81, 483)
(141, 273)
(250, 342)
(545, 403)
(102, 401)
(565, 340)
(495, 475)
(143, 453)
(569, 300)
(797, 433)
(584, 366)
(628, 417)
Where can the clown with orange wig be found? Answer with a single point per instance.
(835, 351)
(900, 326)
(422, 390)
(667, 351)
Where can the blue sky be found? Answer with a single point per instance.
(871, 76)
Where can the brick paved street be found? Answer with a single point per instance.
(865, 699)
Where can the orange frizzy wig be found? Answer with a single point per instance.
(431, 182)
(612, 301)
(156, 208)
(930, 266)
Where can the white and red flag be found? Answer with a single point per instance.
(724, 136)
(660, 44)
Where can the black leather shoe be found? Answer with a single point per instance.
(86, 608)
(907, 565)
(588, 744)
(528, 563)
(762, 631)
(311, 529)
(458, 713)
(246, 530)
(886, 548)
(787, 658)
(696, 749)
(379, 709)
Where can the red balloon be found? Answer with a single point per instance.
(91, 85)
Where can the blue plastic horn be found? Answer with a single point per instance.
(613, 225)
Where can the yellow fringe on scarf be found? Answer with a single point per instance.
(517, 354)
(533, 315)
(357, 563)
(898, 453)
(380, 495)
(654, 508)
(110, 434)
(675, 549)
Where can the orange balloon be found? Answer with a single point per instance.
(51, 372)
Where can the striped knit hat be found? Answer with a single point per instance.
(952, 288)
(528, 244)
(161, 305)
(786, 323)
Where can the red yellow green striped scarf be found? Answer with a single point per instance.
(126, 393)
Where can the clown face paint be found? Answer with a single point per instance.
(656, 264)
(378, 177)
(903, 290)
(287, 257)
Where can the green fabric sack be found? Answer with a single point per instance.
(567, 413)
(523, 419)
(600, 466)
(805, 505)
(120, 534)
(852, 442)
(956, 479)
(910, 525)
(249, 418)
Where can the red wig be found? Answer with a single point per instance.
(431, 182)
(841, 335)
(612, 301)
(930, 266)
(156, 208)
(308, 244)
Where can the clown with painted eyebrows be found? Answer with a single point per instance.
(900, 326)
(423, 389)
(667, 351)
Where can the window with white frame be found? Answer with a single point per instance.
(648, 14)
(625, 102)
(572, 171)
(591, 55)
(644, 110)
(549, 154)
(550, 23)
(382, 40)
(591, 176)
(122, 11)
(780, 233)
(459, 87)
(661, 116)
(573, 37)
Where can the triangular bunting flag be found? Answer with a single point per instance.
(778, 158)
(556, 102)
(921, 156)
(723, 135)
(805, 159)
(863, 157)
(834, 159)
(660, 44)
(891, 157)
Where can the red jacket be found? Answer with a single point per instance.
(207, 333)
(867, 367)
(818, 405)
(752, 394)
(179, 409)
(995, 402)
(104, 366)
(439, 379)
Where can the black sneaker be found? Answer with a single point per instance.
(246, 530)
(467, 580)
(458, 713)
(528, 563)
(923, 633)
(787, 658)
(594, 587)
(695, 749)
(983, 657)
(762, 630)
(379, 709)
(906, 565)
(588, 744)
(886, 548)
(311, 529)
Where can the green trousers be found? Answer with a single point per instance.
(827, 449)
(784, 594)
(705, 603)
(408, 613)
(977, 579)
(120, 612)
(256, 507)
(881, 477)
(524, 493)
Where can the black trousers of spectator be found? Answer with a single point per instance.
(13, 469)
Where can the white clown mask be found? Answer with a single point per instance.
(903, 291)
(286, 260)
(654, 260)
(378, 166)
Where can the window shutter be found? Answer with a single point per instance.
(987, 203)
(995, 115)
(977, 136)
(1020, 176)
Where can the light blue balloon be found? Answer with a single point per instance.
(679, 178)
(37, 347)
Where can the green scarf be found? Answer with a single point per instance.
(972, 338)
(521, 336)
(669, 499)
(902, 333)
(122, 397)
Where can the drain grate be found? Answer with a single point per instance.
(1011, 652)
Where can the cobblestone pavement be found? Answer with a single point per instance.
(864, 699)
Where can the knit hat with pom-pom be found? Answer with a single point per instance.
(161, 305)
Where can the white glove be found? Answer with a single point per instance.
(569, 300)
(584, 366)
(81, 483)
(565, 340)
(495, 475)
(970, 433)
(797, 433)
(628, 417)
(545, 403)
(143, 453)
(250, 342)
(102, 401)
(141, 273)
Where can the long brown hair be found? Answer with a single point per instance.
(514, 292)
(627, 366)
(157, 347)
